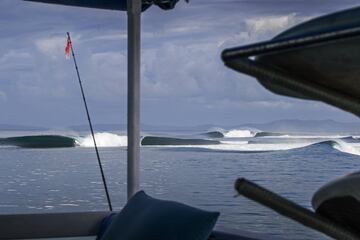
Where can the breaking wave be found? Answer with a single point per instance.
(58, 141)
(345, 147)
(241, 133)
(104, 139)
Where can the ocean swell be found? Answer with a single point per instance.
(39, 141)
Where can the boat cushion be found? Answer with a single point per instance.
(339, 201)
(144, 217)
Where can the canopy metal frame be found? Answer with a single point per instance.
(133, 121)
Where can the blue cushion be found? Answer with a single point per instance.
(147, 218)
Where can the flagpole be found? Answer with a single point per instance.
(133, 126)
(89, 120)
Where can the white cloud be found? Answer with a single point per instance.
(262, 28)
(108, 59)
(107, 75)
(174, 70)
(109, 37)
(3, 97)
(268, 26)
(14, 55)
(54, 47)
(51, 47)
(15, 62)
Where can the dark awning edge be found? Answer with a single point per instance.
(261, 60)
(294, 85)
(286, 44)
(110, 4)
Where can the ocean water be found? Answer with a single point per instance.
(195, 168)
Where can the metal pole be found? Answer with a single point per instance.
(133, 126)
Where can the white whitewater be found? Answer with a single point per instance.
(256, 147)
(342, 146)
(308, 136)
(103, 139)
(239, 133)
(234, 142)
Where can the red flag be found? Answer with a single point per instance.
(68, 47)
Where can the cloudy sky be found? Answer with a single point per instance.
(184, 81)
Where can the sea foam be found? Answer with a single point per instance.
(103, 139)
(239, 133)
(343, 146)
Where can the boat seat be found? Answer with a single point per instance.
(339, 201)
(146, 214)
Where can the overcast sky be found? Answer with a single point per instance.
(184, 81)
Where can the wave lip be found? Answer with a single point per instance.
(39, 141)
(170, 141)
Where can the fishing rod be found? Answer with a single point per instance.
(68, 49)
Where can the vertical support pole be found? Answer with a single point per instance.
(133, 126)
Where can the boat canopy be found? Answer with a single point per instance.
(317, 60)
(111, 4)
